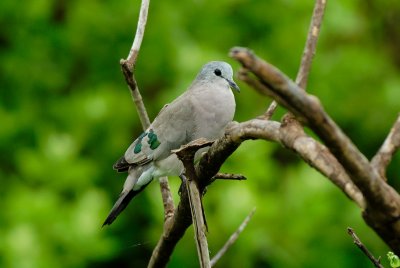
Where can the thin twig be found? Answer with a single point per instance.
(227, 176)
(391, 144)
(134, 52)
(128, 66)
(311, 43)
(309, 48)
(361, 246)
(270, 111)
(232, 239)
(306, 60)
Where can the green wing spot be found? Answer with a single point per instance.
(153, 140)
(154, 144)
(138, 146)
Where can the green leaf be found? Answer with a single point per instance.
(393, 259)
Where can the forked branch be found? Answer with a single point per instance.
(382, 159)
(382, 211)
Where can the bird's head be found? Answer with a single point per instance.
(217, 72)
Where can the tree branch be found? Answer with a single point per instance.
(128, 66)
(293, 137)
(226, 176)
(232, 239)
(309, 107)
(382, 159)
(243, 74)
(186, 155)
(137, 42)
(311, 43)
(363, 248)
(382, 202)
(314, 153)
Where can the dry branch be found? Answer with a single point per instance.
(363, 248)
(128, 66)
(382, 159)
(232, 239)
(209, 165)
(227, 176)
(311, 43)
(207, 168)
(382, 211)
(342, 162)
(293, 137)
(189, 178)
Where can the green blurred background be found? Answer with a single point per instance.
(66, 115)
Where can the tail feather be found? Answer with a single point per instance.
(119, 206)
(124, 198)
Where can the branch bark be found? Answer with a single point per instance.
(363, 248)
(128, 66)
(382, 159)
(311, 151)
(382, 211)
(186, 155)
(311, 43)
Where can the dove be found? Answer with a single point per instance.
(202, 111)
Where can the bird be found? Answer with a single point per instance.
(202, 111)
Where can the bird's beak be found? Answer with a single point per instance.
(233, 85)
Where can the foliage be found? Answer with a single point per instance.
(66, 116)
(393, 259)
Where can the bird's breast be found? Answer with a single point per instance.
(214, 111)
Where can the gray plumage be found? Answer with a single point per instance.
(202, 111)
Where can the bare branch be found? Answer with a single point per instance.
(293, 137)
(226, 176)
(134, 52)
(128, 66)
(363, 248)
(235, 134)
(309, 107)
(306, 60)
(232, 239)
(270, 111)
(168, 202)
(186, 155)
(311, 43)
(391, 144)
(382, 211)
(173, 232)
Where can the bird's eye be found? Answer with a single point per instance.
(217, 72)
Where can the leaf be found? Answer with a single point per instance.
(393, 259)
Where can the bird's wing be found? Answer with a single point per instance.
(169, 130)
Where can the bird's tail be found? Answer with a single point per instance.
(124, 198)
